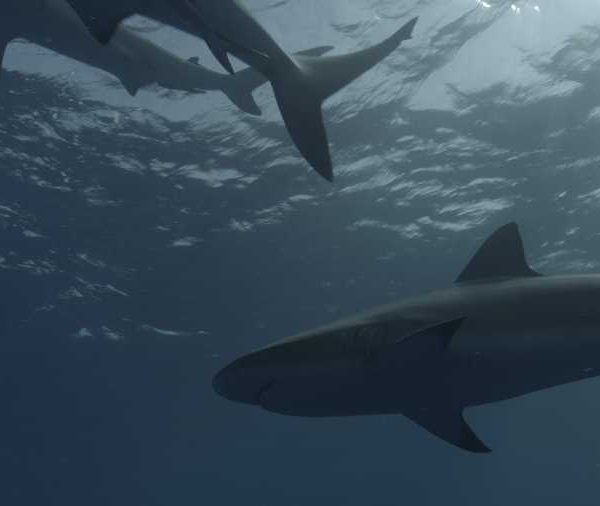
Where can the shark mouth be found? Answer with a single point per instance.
(259, 398)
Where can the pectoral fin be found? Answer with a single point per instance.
(193, 13)
(437, 408)
(448, 423)
(218, 50)
(99, 22)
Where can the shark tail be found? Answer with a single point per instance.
(240, 86)
(302, 83)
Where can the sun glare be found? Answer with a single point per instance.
(514, 7)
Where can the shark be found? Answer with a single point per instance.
(300, 83)
(135, 61)
(501, 331)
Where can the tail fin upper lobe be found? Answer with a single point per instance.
(330, 74)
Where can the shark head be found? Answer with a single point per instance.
(341, 369)
(272, 380)
(286, 375)
(245, 379)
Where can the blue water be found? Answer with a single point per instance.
(146, 242)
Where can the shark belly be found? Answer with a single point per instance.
(365, 383)
(337, 389)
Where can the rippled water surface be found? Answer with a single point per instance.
(181, 233)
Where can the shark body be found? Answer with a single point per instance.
(502, 331)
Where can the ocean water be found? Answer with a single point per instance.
(147, 241)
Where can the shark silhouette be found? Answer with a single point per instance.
(301, 83)
(502, 331)
(132, 59)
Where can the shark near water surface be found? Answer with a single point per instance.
(300, 83)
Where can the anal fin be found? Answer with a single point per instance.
(131, 85)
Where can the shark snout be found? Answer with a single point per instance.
(242, 381)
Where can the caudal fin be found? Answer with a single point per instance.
(301, 110)
(301, 86)
(239, 87)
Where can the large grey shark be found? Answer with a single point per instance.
(502, 331)
(301, 84)
(134, 60)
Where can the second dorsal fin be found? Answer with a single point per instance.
(501, 256)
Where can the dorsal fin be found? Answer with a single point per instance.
(501, 256)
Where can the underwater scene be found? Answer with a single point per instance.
(292, 252)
